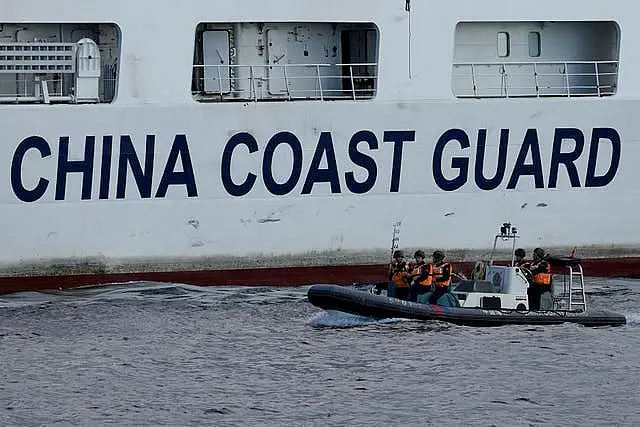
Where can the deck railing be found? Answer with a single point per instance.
(535, 79)
(354, 81)
(54, 87)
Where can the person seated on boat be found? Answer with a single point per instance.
(398, 274)
(540, 280)
(441, 276)
(421, 276)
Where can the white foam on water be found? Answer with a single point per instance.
(337, 319)
(633, 318)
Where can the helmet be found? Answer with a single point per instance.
(418, 253)
(438, 255)
(398, 254)
(520, 253)
(539, 252)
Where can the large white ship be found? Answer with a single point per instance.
(240, 142)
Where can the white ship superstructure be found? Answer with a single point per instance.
(284, 139)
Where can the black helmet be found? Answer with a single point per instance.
(438, 255)
(418, 253)
(539, 252)
(520, 253)
(398, 254)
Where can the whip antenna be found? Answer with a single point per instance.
(394, 241)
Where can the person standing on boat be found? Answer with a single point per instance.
(522, 263)
(421, 275)
(398, 274)
(520, 260)
(441, 277)
(541, 278)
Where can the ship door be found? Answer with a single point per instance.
(215, 50)
(359, 46)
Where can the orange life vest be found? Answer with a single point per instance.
(543, 278)
(415, 268)
(429, 271)
(438, 272)
(398, 279)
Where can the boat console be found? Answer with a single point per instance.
(505, 287)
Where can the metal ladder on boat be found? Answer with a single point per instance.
(577, 298)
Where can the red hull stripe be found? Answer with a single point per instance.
(292, 276)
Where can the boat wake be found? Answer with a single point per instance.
(633, 319)
(154, 292)
(93, 294)
(338, 319)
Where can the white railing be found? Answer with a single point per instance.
(31, 88)
(285, 82)
(535, 79)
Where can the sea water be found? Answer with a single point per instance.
(161, 354)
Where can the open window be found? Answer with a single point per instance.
(58, 63)
(285, 61)
(577, 59)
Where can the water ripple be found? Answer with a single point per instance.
(164, 354)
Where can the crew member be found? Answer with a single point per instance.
(441, 277)
(421, 275)
(541, 278)
(398, 274)
(520, 261)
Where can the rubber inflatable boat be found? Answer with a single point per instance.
(359, 302)
(496, 296)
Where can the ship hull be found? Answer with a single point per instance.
(296, 194)
(284, 276)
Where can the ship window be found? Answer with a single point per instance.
(505, 59)
(68, 63)
(503, 44)
(534, 44)
(285, 61)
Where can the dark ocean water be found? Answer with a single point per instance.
(153, 354)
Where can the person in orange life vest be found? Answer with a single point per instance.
(421, 275)
(441, 277)
(399, 273)
(541, 278)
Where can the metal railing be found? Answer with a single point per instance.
(108, 81)
(355, 81)
(30, 88)
(535, 79)
(55, 87)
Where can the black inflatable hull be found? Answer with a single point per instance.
(350, 300)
